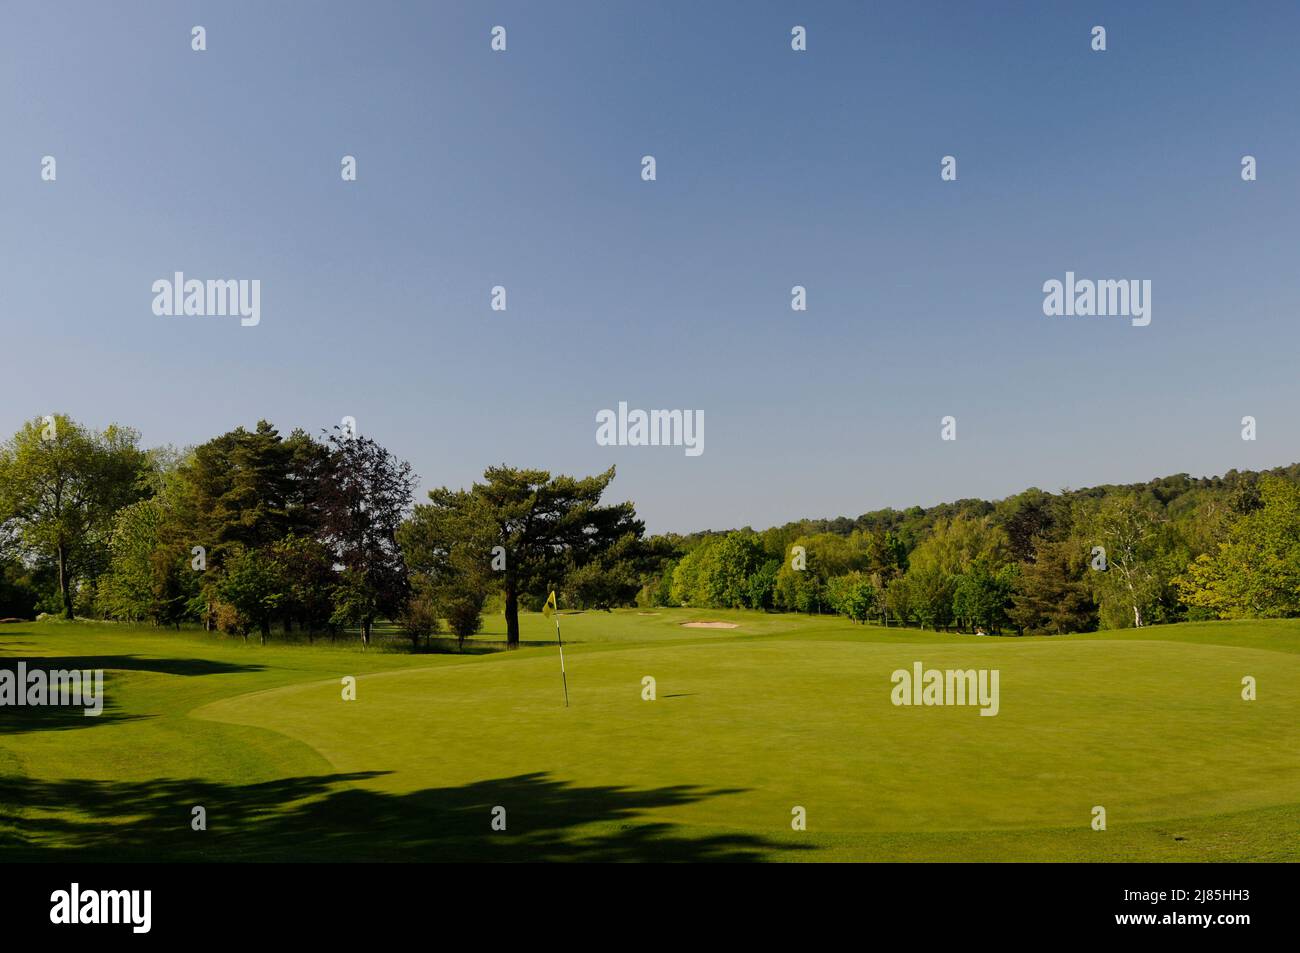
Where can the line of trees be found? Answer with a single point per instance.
(258, 531)
(248, 530)
(1108, 557)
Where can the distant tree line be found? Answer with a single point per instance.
(257, 531)
(1170, 550)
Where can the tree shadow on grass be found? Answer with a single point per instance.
(28, 718)
(326, 818)
(442, 646)
(16, 719)
(130, 663)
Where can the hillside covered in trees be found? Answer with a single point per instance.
(1114, 556)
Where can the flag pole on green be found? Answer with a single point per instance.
(550, 609)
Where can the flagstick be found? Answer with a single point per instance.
(561, 641)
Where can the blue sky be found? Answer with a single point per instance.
(775, 168)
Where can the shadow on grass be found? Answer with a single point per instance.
(129, 663)
(29, 718)
(17, 719)
(325, 818)
(440, 646)
(476, 645)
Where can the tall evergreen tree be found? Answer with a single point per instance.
(1051, 593)
(542, 524)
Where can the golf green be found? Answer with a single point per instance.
(439, 751)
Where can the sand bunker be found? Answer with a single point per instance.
(710, 625)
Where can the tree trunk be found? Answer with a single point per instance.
(365, 633)
(65, 584)
(512, 618)
(264, 630)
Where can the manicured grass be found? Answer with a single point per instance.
(749, 722)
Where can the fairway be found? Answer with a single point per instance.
(747, 723)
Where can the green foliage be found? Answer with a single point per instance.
(686, 575)
(18, 591)
(982, 597)
(1051, 594)
(930, 594)
(761, 585)
(463, 608)
(802, 578)
(725, 570)
(363, 494)
(247, 489)
(1030, 518)
(1131, 530)
(304, 567)
(355, 599)
(128, 589)
(658, 587)
(448, 548)
(616, 575)
(1256, 571)
(539, 527)
(852, 594)
(252, 586)
(799, 590)
(955, 545)
(596, 585)
(316, 533)
(273, 521)
(419, 617)
(60, 486)
(149, 575)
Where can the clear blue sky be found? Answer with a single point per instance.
(775, 168)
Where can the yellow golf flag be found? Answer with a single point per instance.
(551, 609)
